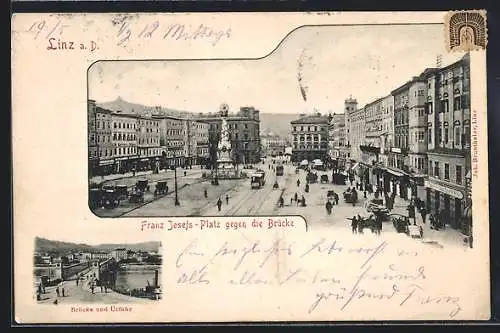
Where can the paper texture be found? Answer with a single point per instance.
(374, 101)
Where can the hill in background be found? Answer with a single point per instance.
(46, 245)
(276, 123)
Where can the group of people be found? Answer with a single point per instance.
(219, 202)
(374, 222)
(330, 202)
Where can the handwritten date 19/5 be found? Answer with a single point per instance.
(59, 44)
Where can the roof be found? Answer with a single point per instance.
(311, 120)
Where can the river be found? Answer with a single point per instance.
(136, 279)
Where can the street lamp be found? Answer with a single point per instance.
(175, 180)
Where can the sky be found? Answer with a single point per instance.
(365, 62)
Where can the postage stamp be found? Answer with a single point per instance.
(250, 167)
(466, 30)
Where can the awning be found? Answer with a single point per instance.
(106, 162)
(395, 173)
(144, 159)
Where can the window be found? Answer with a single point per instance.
(458, 174)
(446, 135)
(446, 171)
(458, 135)
(457, 104)
(295, 128)
(465, 136)
(436, 169)
(429, 135)
(444, 106)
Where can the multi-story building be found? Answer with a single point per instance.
(119, 254)
(357, 137)
(310, 137)
(171, 140)
(190, 143)
(397, 179)
(387, 134)
(274, 145)
(448, 143)
(373, 122)
(148, 137)
(124, 138)
(337, 142)
(100, 255)
(100, 142)
(244, 133)
(350, 105)
(201, 136)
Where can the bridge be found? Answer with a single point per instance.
(95, 268)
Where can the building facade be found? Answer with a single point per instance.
(387, 134)
(274, 145)
(357, 135)
(397, 178)
(119, 254)
(373, 122)
(310, 137)
(448, 126)
(201, 137)
(124, 138)
(244, 134)
(171, 140)
(337, 142)
(100, 143)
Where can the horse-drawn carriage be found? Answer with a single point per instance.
(339, 178)
(142, 185)
(376, 206)
(323, 179)
(110, 197)
(401, 223)
(161, 188)
(351, 196)
(312, 177)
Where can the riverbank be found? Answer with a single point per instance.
(140, 267)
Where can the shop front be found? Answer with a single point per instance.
(106, 167)
(446, 201)
(396, 181)
(417, 186)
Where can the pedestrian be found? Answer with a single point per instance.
(303, 201)
(219, 204)
(102, 287)
(336, 198)
(77, 279)
(328, 207)
(227, 199)
(92, 287)
(354, 224)
(62, 290)
(205, 193)
(105, 288)
(296, 197)
(298, 182)
(39, 288)
(423, 213)
(57, 291)
(282, 202)
(364, 194)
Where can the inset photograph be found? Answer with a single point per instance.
(351, 127)
(103, 273)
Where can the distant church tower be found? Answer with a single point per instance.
(350, 105)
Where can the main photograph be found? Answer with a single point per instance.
(353, 126)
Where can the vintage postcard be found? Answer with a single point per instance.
(230, 167)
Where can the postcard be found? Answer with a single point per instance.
(221, 167)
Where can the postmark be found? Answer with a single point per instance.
(466, 30)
